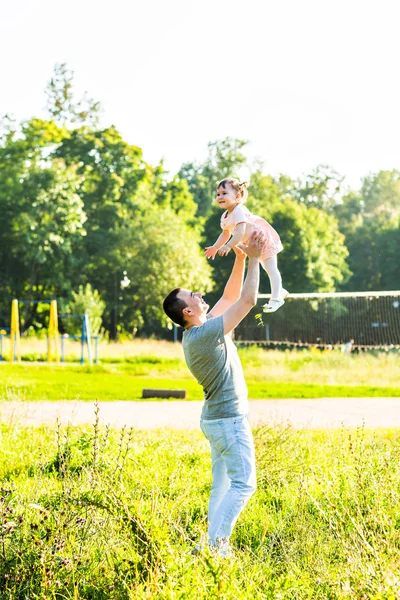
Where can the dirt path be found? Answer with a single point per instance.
(303, 414)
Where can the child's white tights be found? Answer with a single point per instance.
(271, 267)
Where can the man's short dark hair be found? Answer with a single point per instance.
(173, 307)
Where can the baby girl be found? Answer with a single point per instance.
(237, 221)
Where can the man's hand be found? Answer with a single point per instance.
(210, 252)
(239, 252)
(224, 251)
(248, 297)
(254, 245)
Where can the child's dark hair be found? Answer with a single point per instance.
(173, 307)
(239, 187)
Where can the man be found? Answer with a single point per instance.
(212, 358)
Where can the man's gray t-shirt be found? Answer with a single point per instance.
(213, 360)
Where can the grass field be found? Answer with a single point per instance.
(96, 514)
(127, 368)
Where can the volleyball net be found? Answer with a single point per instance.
(359, 319)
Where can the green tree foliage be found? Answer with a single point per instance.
(370, 220)
(80, 205)
(315, 255)
(69, 195)
(175, 194)
(374, 250)
(42, 215)
(159, 253)
(381, 192)
(62, 104)
(224, 159)
(88, 301)
(322, 188)
(118, 189)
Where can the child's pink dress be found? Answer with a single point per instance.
(241, 214)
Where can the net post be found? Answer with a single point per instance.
(83, 340)
(53, 338)
(63, 347)
(55, 332)
(49, 336)
(88, 337)
(96, 350)
(15, 350)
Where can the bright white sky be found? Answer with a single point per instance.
(307, 82)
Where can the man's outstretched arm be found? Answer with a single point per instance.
(233, 287)
(248, 298)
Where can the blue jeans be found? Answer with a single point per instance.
(233, 473)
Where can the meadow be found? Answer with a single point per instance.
(90, 513)
(93, 513)
(128, 367)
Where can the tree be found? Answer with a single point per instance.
(175, 195)
(158, 253)
(322, 188)
(88, 301)
(314, 257)
(381, 192)
(62, 104)
(374, 250)
(370, 221)
(43, 216)
(117, 187)
(224, 159)
(68, 195)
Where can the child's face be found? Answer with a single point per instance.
(227, 197)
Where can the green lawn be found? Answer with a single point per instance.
(93, 514)
(125, 381)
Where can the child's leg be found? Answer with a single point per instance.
(271, 267)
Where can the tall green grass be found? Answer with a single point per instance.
(99, 514)
(126, 382)
(269, 374)
(165, 359)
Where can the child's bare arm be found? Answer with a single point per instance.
(222, 239)
(211, 251)
(237, 237)
(238, 234)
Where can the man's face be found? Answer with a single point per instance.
(196, 306)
